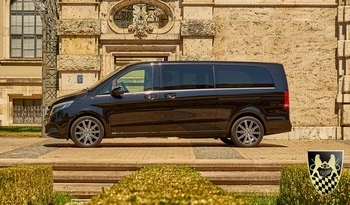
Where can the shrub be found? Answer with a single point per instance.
(165, 184)
(260, 199)
(26, 185)
(296, 188)
(62, 198)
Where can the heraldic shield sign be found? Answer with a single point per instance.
(325, 169)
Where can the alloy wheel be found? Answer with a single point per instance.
(247, 132)
(87, 131)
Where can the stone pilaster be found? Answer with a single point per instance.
(79, 61)
(343, 98)
(197, 29)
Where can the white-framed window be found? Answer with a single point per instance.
(25, 29)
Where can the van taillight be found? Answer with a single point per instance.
(286, 100)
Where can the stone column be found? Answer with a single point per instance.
(343, 98)
(78, 62)
(197, 29)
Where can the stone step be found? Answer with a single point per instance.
(85, 184)
(242, 178)
(263, 189)
(217, 177)
(89, 176)
(205, 166)
(81, 190)
(88, 190)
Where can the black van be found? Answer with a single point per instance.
(238, 102)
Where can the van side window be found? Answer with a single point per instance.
(190, 76)
(230, 76)
(137, 80)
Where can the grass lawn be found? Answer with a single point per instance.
(20, 131)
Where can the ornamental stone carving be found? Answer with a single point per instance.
(79, 27)
(140, 29)
(197, 28)
(141, 17)
(78, 63)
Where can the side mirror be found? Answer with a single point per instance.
(117, 92)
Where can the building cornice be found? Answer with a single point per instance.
(20, 81)
(35, 61)
(258, 4)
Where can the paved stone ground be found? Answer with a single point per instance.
(161, 150)
(30, 151)
(165, 149)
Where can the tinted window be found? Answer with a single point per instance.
(136, 80)
(177, 77)
(229, 76)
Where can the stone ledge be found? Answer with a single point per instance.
(202, 28)
(78, 63)
(20, 80)
(273, 3)
(309, 133)
(11, 61)
(258, 3)
(79, 27)
(84, 2)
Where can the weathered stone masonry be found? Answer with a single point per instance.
(343, 96)
(302, 35)
(309, 37)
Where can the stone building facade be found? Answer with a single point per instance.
(309, 37)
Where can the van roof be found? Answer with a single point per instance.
(210, 62)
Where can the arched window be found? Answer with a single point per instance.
(26, 30)
(141, 17)
(151, 15)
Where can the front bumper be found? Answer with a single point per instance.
(56, 126)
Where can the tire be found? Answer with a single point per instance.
(227, 140)
(87, 131)
(247, 132)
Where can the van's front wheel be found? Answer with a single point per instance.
(247, 132)
(87, 131)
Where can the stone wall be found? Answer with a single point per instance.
(302, 38)
(19, 78)
(309, 37)
(302, 35)
(79, 28)
(343, 97)
(16, 88)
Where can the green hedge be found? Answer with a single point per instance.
(26, 185)
(165, 184)
(296, 188)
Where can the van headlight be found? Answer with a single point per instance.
(60, 106)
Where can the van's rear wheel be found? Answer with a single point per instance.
(87, 131)
(247, 132)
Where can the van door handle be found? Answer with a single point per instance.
(170, 95)
(150, 96)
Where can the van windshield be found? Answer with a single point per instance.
(93, 86)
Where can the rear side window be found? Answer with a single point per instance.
(232, 76)
(190, 76)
